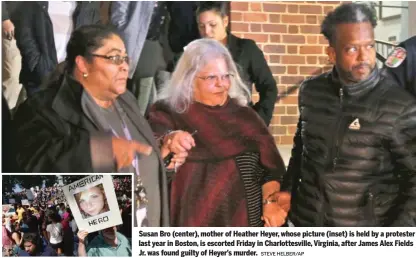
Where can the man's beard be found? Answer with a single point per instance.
(348, 76)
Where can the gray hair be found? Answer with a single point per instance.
(178, 93)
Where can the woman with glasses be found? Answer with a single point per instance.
(213, 20)
(86, 121)
(232, 174)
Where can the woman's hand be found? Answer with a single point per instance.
(180, 143)
(125, 151)
(275, 213)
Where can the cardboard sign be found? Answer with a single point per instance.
(6, 208)
(12, 201)
(25, 202)
(93, 203)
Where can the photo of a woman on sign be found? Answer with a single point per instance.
(92, 201)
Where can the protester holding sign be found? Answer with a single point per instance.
(55, 226)
(231, 176)
(108, 243)
(92, 199)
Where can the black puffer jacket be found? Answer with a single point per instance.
(354, 158)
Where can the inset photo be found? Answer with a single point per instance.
(92, 201)
(67, 215)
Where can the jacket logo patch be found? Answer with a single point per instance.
(396, 57)
(355, 125)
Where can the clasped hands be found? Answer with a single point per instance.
(178, 142)
(275, 213)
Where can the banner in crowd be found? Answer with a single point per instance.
(93, 203)
(30, 195)
(5, 208)
(25, 202)
(12, 201)
(286, 241)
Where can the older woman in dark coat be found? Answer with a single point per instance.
(232, 174)
(86, 121)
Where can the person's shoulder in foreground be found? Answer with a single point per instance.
(98, 247)
(400, 65)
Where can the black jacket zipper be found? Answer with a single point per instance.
(333, 155)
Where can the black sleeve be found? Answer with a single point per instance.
(25, 38)
(4, 12)
(47, 145)
(404, 74)
(293, 170)
(397, 74)
(404, 153)
(264, 82)
(183, 26)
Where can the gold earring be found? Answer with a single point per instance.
(85, 75)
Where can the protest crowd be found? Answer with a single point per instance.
(163, 90)
(45, 226)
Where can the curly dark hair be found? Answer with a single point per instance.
(347, 13)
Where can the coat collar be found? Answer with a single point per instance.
(67, 103)
(233, 45)
(356, 89)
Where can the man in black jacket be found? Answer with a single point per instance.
(41, 34)
(354, 157)
(401, 65)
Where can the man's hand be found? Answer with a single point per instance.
(125, 151)
(8, 29)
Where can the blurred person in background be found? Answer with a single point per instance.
(7, 241)
(183, 28)
(11, 58)
(43, 33)
(32, 247)
(55, 234)
(401, 65)
(142, 24)
(213, 21)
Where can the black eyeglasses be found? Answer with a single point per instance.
(117, 60)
